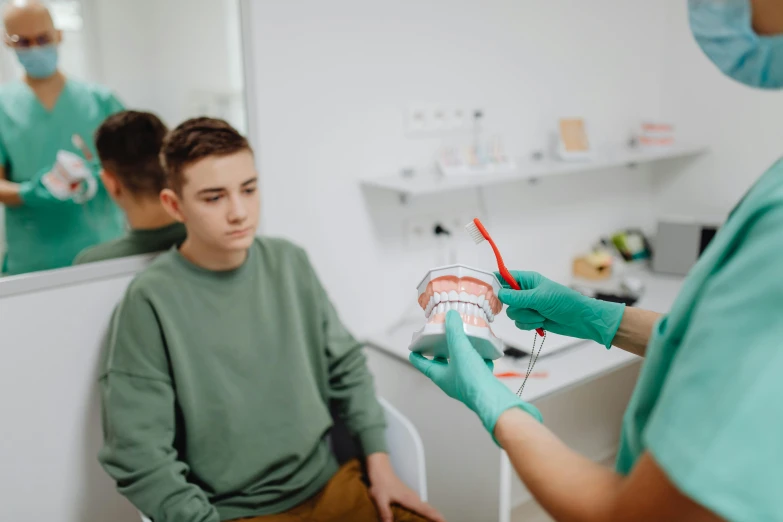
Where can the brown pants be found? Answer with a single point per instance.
(344, 499)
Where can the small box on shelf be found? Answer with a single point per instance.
(475, 160)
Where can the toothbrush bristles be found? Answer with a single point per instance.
(474, 232)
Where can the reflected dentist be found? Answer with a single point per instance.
(54, 206)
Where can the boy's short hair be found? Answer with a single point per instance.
(194, 140)
(128, 145)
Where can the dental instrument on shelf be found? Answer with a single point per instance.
(470, 292)
(479, 158)
(653, 134)
(476, 160)
(572, 140)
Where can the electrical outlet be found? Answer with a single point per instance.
(418, 120)
(420, 234)
(438, 119)
(427, 120)
(459, 221)
(459, 119)
(419, 231)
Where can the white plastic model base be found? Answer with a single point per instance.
(470, 292)
(70, 179)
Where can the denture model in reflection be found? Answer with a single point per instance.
(470, 292)
(70, 178)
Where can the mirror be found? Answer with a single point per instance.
(175, 59)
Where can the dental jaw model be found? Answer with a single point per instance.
(70, 178)
(472, 293)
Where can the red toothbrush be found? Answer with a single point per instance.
(478, 233)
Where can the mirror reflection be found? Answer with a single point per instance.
(89, 90)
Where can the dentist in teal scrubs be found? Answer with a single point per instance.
(702, 438)
(39, 116)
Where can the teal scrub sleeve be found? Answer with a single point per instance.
(4, 159)
(717, 429)
(111, 104)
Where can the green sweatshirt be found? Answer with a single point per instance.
(134, 243)
(216, 387)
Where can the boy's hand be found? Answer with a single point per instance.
(387, 489)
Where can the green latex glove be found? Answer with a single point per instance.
(35, 195)
(469, 379)
(545, 304)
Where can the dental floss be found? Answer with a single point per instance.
(532, 361)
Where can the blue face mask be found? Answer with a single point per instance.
(39, 62)
(724, 30)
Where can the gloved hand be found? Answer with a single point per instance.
(545, 304)
(469, 379)
(35, 195)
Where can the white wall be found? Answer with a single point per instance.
(126, 47)
(741, 124)
(335, 79)
(49, 405)
(166, 56)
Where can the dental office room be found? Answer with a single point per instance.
(252, 260)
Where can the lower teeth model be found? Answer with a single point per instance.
(472, 293)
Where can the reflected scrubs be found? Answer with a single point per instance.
(709, 402)
(30, 136)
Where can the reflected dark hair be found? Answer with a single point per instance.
(128, 145)
(194, 140)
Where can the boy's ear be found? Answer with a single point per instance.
(171, 202)
(112, 184)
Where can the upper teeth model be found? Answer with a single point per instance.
(472, 293)
(473, 298)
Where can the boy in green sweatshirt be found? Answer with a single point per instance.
(128, 144)
(223, 359)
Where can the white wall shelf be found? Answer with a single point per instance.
(432, 183)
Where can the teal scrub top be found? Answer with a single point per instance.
(30, 137)
(709, 402)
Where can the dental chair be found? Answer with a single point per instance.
(406, 451)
